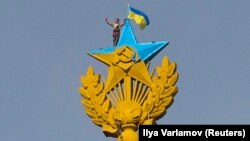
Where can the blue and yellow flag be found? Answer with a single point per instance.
(139, 17)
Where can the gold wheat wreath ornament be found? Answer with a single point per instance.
(120, 105)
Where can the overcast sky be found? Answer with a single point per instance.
(43, 45)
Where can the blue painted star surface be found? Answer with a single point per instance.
(146, 51)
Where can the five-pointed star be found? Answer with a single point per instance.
(145, 52)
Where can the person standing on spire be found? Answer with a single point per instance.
(116, 29)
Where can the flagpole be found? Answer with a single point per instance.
(127, 12)
(128, 9)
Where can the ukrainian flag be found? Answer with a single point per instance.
(139, 17)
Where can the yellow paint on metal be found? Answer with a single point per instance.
(130, 96)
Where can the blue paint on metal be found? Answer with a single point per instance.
(146, 51)
(102, 50)
(127, 36)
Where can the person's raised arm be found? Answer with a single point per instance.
(106, 20)
(123, 22)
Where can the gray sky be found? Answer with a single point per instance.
(43, 45)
